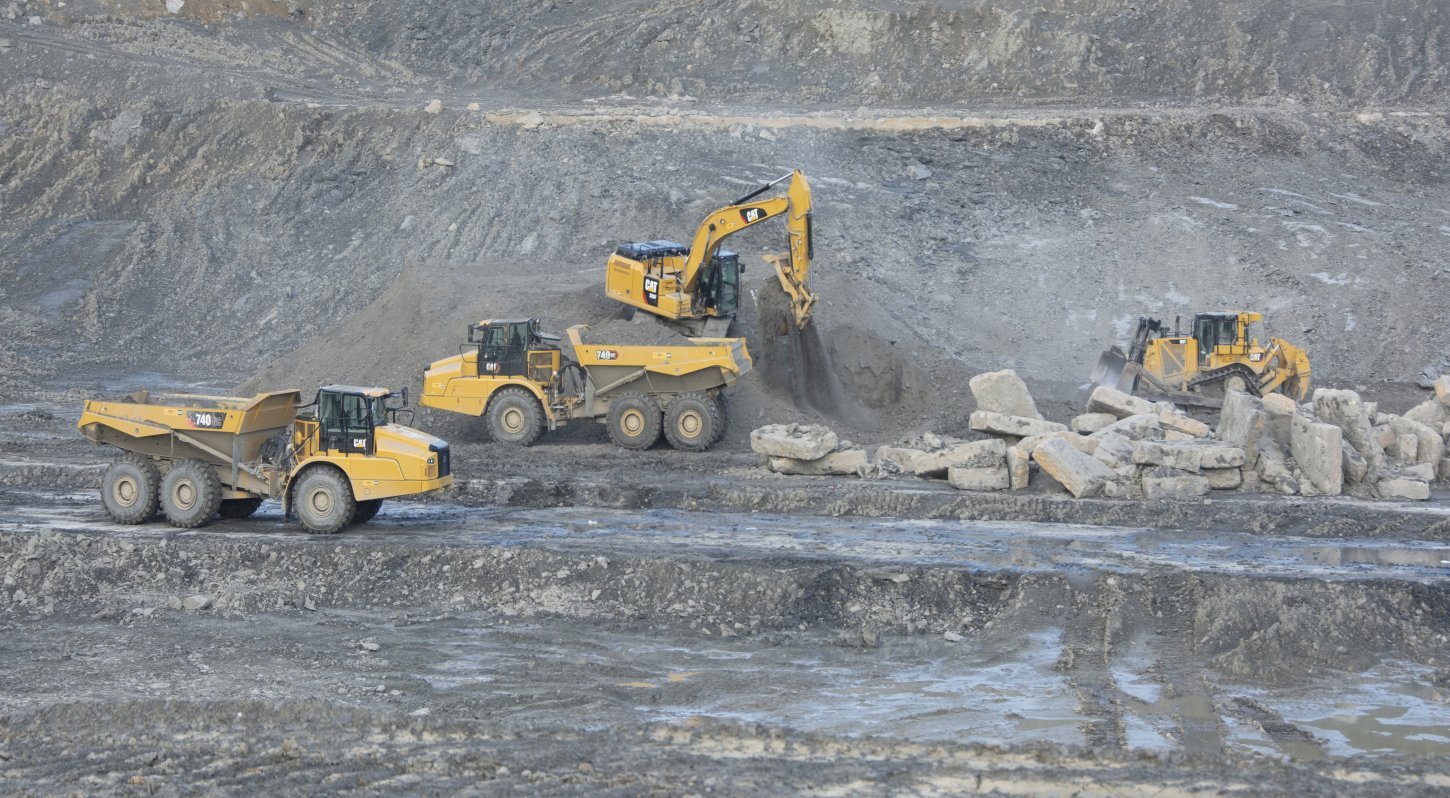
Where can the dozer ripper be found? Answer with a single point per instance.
(696, 288)
(521, 381)
(195, 457)
(1201, 366)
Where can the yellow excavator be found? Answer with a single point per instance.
(696, 288)
(1199, 367)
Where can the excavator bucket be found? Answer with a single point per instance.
(1115, 370)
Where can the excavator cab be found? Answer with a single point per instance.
(720, 284)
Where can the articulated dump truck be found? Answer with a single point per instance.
(520, 381)
(194, 457)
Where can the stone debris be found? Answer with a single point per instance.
(1003, 392)
(1126, 447)
(795, 441)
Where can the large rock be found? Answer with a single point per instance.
(1183, 457)
(1273, 468)
(1403, 448)
(847, 462)
(1171, 483)
(1318, 450)
(1003, 392)
(1403, 488)
(1082, 474)
(1088, 423)
(1176, 421)
(1221, 455)
(1444, 471)
(1110, 400)
(1239, 419)
(796, 441)
(1083, 443)
(1442, 390)
(1224, 478)
(1344, 409)
(1016, 426)
(1429, 443)
(900, 456)
(1143, 427)
(994, 478)
(1279, 410)
(1114, 450)
(1354, 466)
(972, 454)
(1431, 412)
(1019, 467)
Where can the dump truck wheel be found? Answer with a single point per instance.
(514, 417)
(130, 489)
(366, 509)
(724, 410)
(691, 421)
(634, 422)
(240, 508)
(191, 494)
(323, 500)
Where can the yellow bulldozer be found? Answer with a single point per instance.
(696, 288)
(194, 457)
(1200, 366)
(521, 381)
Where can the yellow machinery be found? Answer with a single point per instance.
(521, 382)
(1200, 366)
(696, 288)
(196, 456)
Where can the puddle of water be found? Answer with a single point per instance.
(1434, 557)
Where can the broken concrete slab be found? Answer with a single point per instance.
(972, 454)
(1402, 488)
(1003, 392)
(1157, 453)
(993, 478)
(795, 441)
(1138, 428)
(846, 462)
(1018, 426)
(1318, 451)
(1082, 474)
(1224, 478)
(1088, 423)
(1176, 421)
(1109, 400)
(1171, 483)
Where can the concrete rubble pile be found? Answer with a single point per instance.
(1128, 447)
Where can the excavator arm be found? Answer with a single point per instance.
(793, 267)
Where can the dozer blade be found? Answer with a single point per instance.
(1115, 371)
(795, 287)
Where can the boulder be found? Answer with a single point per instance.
(1175, 421)
(1088, 423)
(903, 458)
(1423, 471)
(1003, 392)
(1442, 390)
(1224, 478)
(1273, 468)
(1018, 426)
(993, 478)
(1278, 412)
(1344, 409)
(1403, 448)
(1429, 443)
(1082, 474)
(1180, 456)
(1221, 455)
(1171, 483)
(1431, 412)
(1444, 471)
(1278, 404)
(1019, 467)
(1142, 427)
(1123, 488)
(1318, 450)
(1239, 419)
(1081, 442)
(1109, 400)
(795, 441)
(846, 462)
(1403, 488)
(1353, 466)
(972, 454)
(1114, 450)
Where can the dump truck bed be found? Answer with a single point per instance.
(727, 354)
(157, 414)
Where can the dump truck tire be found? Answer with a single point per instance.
(691, 421)
(634, 422)
(514, 417)
(366, 509)
(130, 490)
(323, 500)
(724, 411)
(191, 494)
(239, 508)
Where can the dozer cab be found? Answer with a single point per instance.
(1200, 366)
(696, 288)
(523, 381)
(194, 457)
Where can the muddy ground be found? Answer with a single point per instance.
(218, 195)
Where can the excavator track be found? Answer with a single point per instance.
(1217, 378)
